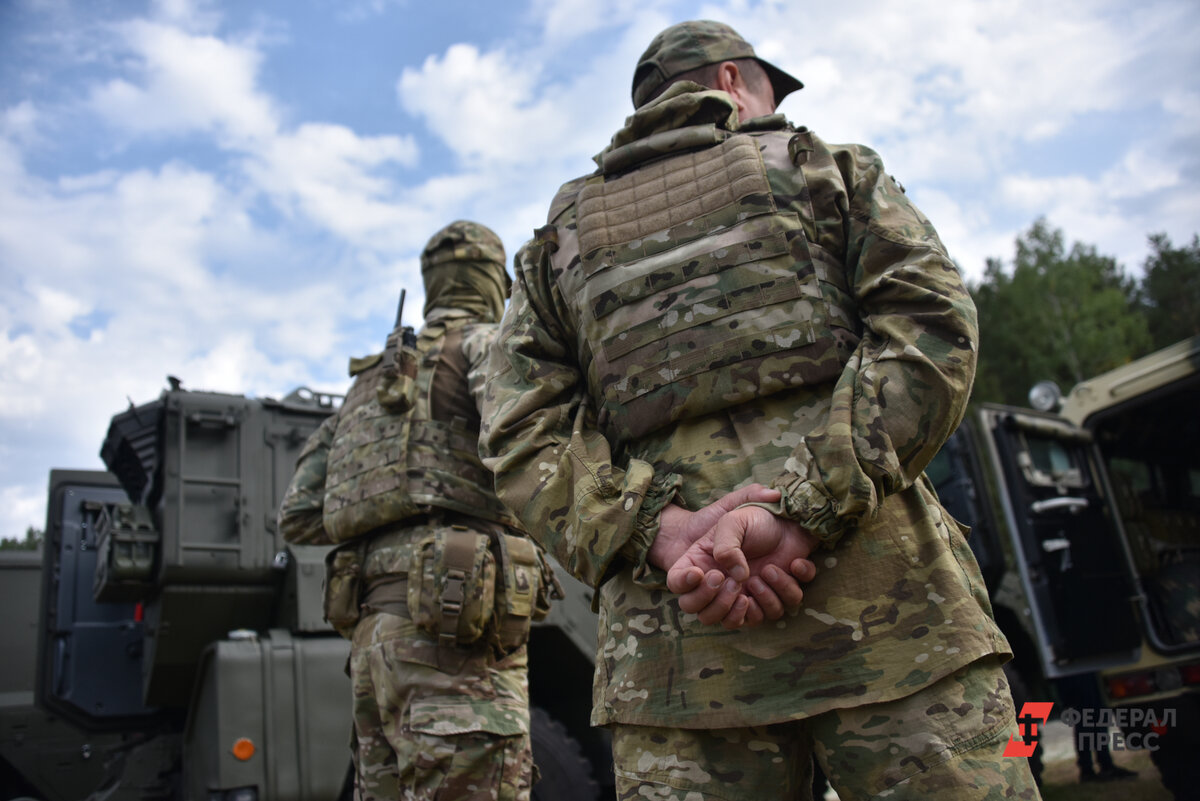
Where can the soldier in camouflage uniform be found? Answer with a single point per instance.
(730, 302)
(433, 718)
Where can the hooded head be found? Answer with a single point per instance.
(463, 268)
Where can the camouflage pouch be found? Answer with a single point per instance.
(344, 586)
(397, 390)
(452, 585)
(523, 593)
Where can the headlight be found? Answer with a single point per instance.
(1045, 396)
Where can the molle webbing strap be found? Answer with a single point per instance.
(443, 465)
(435, 445)
(696, 292)
(364, 483)
(698, 265)
(738, 300)
(459, 560)
(519, 565)
(724, 354)
(699, 191)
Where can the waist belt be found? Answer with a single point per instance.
(448, 517)
(388, 594)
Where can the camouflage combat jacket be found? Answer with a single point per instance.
(898, 601)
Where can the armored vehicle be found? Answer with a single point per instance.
(170, 645)
(1086, 524)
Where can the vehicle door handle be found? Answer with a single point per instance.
(1057, 544)
(1073, 505)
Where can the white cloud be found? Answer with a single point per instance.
(1078, 206)
(57, 308)
(198, 16)
(335, 177)
(22, 363)
(21, 506)
(20, 123)
(566, 21)
(188, 83)
(1140, 173)
(483, 103)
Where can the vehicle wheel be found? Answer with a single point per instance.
(347, 793)
(1175, 756)
(565, 774)
(1020, 695)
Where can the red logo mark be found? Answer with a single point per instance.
(1029, 727)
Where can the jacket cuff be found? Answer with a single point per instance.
(809, 506)
(661, 492)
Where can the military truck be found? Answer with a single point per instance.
(1086, 522)
(170, 645)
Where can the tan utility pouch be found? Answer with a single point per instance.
(452, 585)
(527, 583)
(344, 586)
(397, 390)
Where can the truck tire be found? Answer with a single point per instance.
(1016, 685)
(1175, 756)
(565, 774)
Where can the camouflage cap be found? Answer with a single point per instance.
(462, 240)
(689, 45)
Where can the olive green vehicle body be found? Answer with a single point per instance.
(1086, 524)
(168, 644)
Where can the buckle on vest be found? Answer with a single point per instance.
(452, 604)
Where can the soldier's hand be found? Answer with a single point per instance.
(747, 568)
(750, 532)
(679, 528)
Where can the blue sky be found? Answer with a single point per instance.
(235, 192)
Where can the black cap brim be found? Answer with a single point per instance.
(783, 83)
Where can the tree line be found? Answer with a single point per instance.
(1067, 314)
(32, 541)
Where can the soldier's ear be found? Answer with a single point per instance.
(727, 77)
(729, 80)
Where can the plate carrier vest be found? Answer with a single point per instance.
(386, 466)
(694, 290)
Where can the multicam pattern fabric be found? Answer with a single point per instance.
(443, 466)
(898, 602)
(426, 731)
(698, 43)
(944, 743)
(726, 307)
(432, 721)
(301, 512)
(462, 267)
(366, 471)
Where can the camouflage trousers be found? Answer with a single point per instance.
(943, 743)
(430, 723)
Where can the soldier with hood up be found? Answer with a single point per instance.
(432, 580)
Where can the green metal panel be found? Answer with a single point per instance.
(290, 697)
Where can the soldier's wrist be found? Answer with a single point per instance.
(659, 493)
(815, 511)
